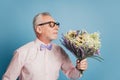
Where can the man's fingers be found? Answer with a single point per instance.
(82, 64)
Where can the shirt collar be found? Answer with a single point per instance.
(39, 42)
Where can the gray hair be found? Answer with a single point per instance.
(37, 18)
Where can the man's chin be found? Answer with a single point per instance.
(55, 37)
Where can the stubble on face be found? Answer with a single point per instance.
(48, 34)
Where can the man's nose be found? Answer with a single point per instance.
(56, 27)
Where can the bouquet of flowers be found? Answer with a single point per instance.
(82, 44)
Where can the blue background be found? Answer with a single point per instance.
(93, 15)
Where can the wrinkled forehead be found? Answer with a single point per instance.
(42, 19)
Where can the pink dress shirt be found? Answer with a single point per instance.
(32, 63)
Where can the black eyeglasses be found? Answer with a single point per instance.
(51, 24)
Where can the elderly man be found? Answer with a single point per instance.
(41, 59)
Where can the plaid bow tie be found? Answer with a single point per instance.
(42, 46)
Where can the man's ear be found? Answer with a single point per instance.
(39, 30)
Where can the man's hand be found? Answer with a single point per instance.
(81, 65)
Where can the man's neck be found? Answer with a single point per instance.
(45, 41)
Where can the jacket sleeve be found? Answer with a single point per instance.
(14, 68)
